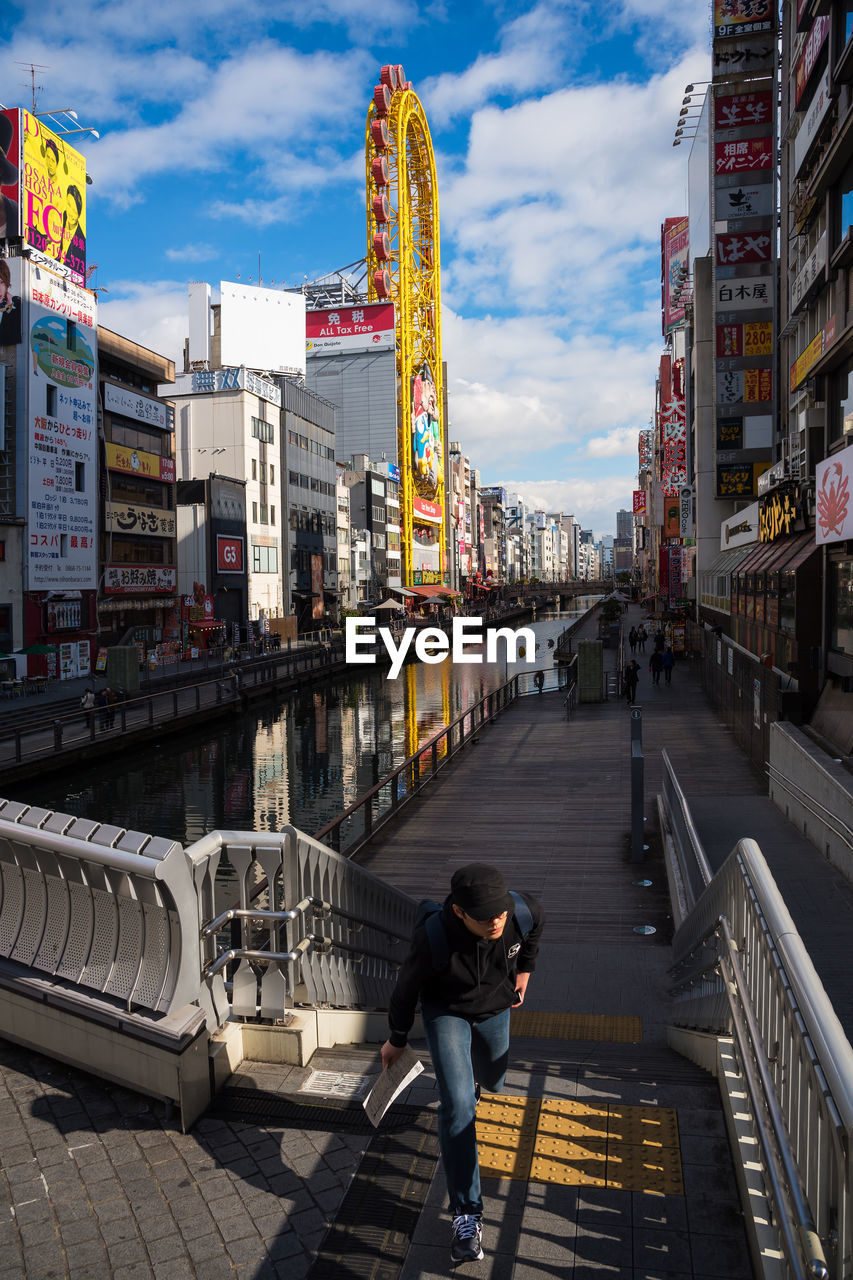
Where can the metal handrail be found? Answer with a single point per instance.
(837, 825)
(796, 1059)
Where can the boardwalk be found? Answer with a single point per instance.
(99, 1182)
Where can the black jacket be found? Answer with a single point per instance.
(479, 980)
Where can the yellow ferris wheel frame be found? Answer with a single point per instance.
(413, 280)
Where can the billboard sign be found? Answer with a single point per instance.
(139, 579)
(130, 404)
(62, 458)
(639, 504)
(749, 294)
(229, 554)
(135, 462)
(735, 110)
(11, 161)
(744, 202)
(755, 246)
(369, 327)
(812, 120)
(674, 264)
(834, 509)
(139, 521)
(815, 41)
(742, 17)
(427, 448)
(744, 155)
(205, 381)
(53, 200)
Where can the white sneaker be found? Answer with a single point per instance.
(467, 1233)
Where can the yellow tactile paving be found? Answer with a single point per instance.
(580, 1144)
(576, 1026)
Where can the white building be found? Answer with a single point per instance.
(228, 420)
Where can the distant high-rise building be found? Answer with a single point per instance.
(624, 524)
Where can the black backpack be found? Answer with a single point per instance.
(429, 915)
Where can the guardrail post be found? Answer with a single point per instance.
(637, 784)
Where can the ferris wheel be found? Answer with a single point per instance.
(404, 268)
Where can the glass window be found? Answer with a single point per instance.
(272, 515)
(272, 474)
(255, 512)
(841, 405)
(772, 605)
(263, 473)
(841, 606)
(759, 597)
(787, 596)
(254, 468)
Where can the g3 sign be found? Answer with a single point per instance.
(229, 554)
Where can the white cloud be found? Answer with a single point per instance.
(197, 252)
(153, 314)
(617, 443)
(593, 503)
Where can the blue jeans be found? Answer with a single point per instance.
(461, 1052)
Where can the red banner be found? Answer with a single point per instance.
(744, 155)
(737, 110)
(639, 502)
(229, 554)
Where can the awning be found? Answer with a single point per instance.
(432, 589)
(729, 561)
(786, 553)
(126, 602)
(401, 591)
(206, 624)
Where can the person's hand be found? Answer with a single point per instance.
(521, 982)
(390, 1054)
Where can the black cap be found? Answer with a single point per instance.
(480, 891)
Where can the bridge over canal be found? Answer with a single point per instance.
(614, 1149)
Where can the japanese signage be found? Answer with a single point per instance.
(750, 386)
(673, 436)
(430, 511)
(62, 460)
(834, 511)
(675, 576)
(317, 586)
(812, 273)
(733, 58)
(645, 445)
(740, 530)
(744, 155)
(229, 554)
(735, 110)
(639, 502)
(345, 329)
(686, 512)
(130, 404)
(808, 358)
(744, 201)
(429, 577)
(149, 522)
(808, 58)
(136, 579)
(754, 339)
(733, 250)
(777, 515)
(751, 293)
(812, 120)
(738, 479)
(135, 462)
(10, 188)
(674, 265)
(205, 381)
(53, 195)
(742, 17)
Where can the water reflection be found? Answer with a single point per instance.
(301, 761)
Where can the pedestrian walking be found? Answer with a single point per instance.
(470, 961)
(632, 639)
(642, 637)
(539, 680)
(656, 666)
(632, 675)
(101, 704)
(660, 641)
(668, 664)
(87, 702)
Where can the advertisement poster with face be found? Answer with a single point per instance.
(53, 220)
(10, 173)
(62, 463)
(427, 460)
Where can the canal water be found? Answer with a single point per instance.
(301, 760)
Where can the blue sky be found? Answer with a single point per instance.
(225, 134)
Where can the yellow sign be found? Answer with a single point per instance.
(806, 360)
(53, 217)
(758, 339)
(134, 462)
(776, 517)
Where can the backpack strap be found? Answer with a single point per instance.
(523, 914)
(438, 945)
